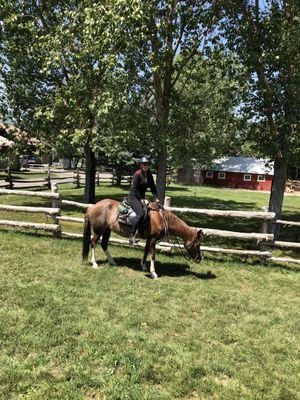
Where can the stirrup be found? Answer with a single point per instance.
(133, 240)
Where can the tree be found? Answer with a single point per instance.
(173, 34)
(204, 120)
(267, 41)
(57, 58)
(126, 124)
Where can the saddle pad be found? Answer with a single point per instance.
(122, 209)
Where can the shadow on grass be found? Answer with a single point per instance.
(212, 203)
(177, 200)
(187, 188)
(171, 268)
(283, 267)
(191, 202)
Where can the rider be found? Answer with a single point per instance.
(142, 179)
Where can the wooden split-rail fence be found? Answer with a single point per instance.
(263, 239)
(42, 176)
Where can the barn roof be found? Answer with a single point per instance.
(243, 165)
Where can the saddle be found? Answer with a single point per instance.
(126, 214)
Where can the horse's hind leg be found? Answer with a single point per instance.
(104, 245)
(94, 242)
(152, 259)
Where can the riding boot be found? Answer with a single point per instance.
(134, 230)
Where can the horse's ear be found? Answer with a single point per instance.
(200, 234)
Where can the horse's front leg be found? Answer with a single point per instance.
(152, 259)
(146, 251)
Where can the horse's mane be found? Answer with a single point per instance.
(172, 218)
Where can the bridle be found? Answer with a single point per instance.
(197, 242)
(167, 237)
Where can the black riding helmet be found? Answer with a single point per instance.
(145, 159)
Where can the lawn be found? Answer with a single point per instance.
(222, 329)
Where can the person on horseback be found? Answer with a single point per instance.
(142, 180)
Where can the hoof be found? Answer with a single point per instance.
(95, 266)
(112, 263)
(154, 275)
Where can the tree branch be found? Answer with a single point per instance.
(189, 58)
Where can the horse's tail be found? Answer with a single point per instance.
(86, 241)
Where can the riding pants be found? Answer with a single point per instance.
(138, 209)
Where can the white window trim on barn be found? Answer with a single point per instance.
(221, 175)
(209, 174)
(247, 177)
(261, 178)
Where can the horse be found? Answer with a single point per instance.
(103, 218)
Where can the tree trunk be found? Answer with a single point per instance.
(188, 175)
(163, 115)
(163, 89)
(90, 174)
(161, 178)
(76, 162)
(118, 175)
(277, 192)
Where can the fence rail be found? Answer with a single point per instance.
(267, 216)
(287, 223)
(46, 195)
(287, 245)
(55, 213)
(39, 210)
(76, 204)
(31, 225)
(48, 175)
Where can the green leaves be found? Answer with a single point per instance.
(61, 57)
(204, 119)
(267, 41)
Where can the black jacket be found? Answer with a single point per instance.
(141, 182)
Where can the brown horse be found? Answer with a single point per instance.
(103, 218)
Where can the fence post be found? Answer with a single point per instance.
(48, 177)
(56, 203)
(9, 178)
(167, 201)
(264, 229)
(77, 178)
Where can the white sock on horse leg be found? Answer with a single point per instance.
(109, 258)
(152, 267)
(93, 259)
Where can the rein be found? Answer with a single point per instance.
(160, 209)
(187, 257)
(167, 237)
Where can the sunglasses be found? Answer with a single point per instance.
(145, 164)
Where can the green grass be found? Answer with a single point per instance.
(222, 329)
(70, 332)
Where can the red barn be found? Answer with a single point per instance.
(240, 172)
